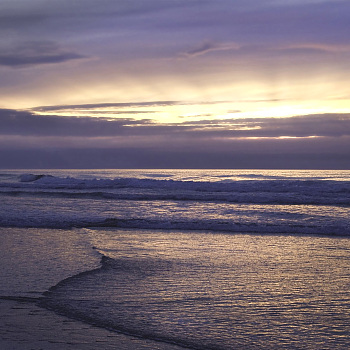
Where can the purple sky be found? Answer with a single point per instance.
(178, 83)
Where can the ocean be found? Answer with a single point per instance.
(171, 259)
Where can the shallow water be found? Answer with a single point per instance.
(216, 291)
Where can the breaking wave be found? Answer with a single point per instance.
(267, 191)
(256, 203)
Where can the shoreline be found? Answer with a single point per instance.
(32, 261)
(24, 325)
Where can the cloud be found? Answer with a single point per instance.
(29, 140)
(36, 53)
(137, 45)
(93, 106)
(80, 16)
(317, 47)
(26, 123)
(322, 125)
(207, 47)
(96, 106)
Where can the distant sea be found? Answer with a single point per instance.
(201, 259)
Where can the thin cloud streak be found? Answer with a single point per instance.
(208, 47)
(36, 53)
(93, 106)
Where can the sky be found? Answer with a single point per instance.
(175, 84)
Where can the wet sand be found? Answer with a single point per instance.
(33, 260)
(25, 326)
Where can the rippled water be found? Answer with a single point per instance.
(216, 291)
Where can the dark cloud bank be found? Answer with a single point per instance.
(42, 141)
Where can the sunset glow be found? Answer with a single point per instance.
(182, 68)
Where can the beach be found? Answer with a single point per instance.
(165, 287)
(24, 325)
(209, 260)
(33, 260)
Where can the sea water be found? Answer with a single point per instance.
(202, 259)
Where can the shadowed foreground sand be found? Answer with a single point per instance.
(26, 326)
